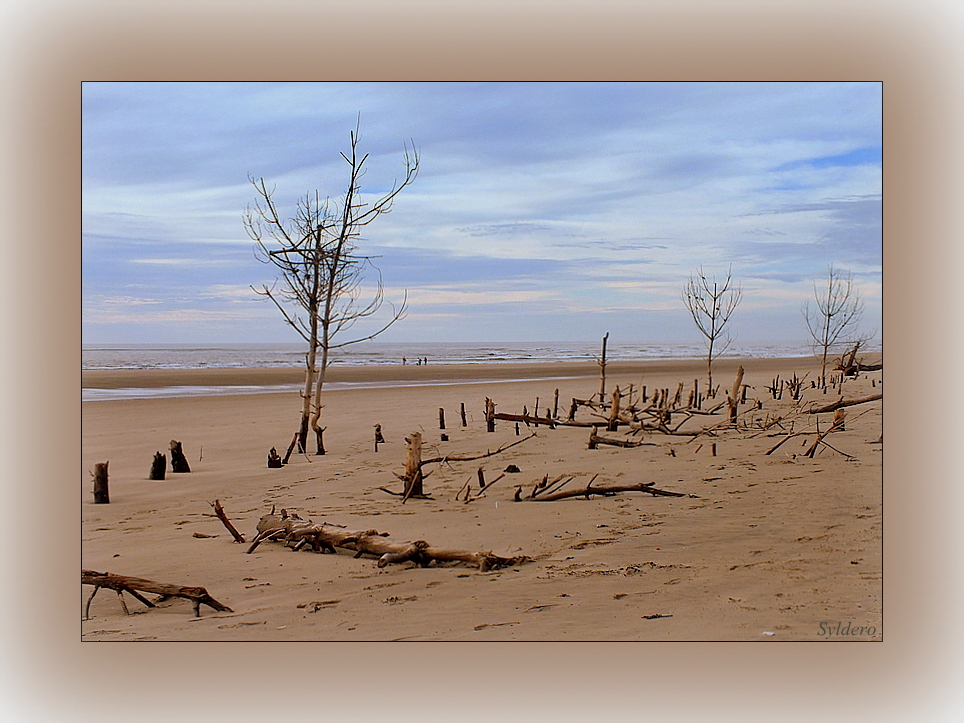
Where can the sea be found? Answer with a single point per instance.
(376, 353)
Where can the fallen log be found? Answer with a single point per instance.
(131, 585)
(323, 536)
(844, 403)
(527, 419)
(588, 491)
(595, 440)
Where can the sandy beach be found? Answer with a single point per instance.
(758, 547)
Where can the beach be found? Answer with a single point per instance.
(757, 546)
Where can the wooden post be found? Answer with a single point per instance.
(602, 370)
(274, 460)
(555, 404)
(101, 493)
(159, 466)
(462, 413)
(178, 460)
(489, 415)
(441, 418)
(379, 439)
(614, 412)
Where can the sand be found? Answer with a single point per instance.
(778, 547)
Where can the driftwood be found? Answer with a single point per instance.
(851, 366)
(179, 462)
(158, 466)
(326, 537)
(219, 513)
(413, 476)
(291, 447)
(101, 491)
(527, 419)
(123, 583)
(547, 491)
(840, 403)
(595, 440)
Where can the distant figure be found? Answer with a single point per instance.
(404, 361)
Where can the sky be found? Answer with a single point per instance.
(541, 211)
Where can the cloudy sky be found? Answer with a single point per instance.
(542, 212)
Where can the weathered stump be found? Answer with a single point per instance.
(274, 459)
(178, 460)
(489, 415)
(413, 467)
(159, 466)
(101, 494)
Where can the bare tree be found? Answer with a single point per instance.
(834, 317)
(319, 290)
(711, 304)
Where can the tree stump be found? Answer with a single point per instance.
(489, 415)
(614, 412)
(413, 466)
(101, 494)
(274, 459)
(178, 460)
(159, 466)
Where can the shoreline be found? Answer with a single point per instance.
(413, 375)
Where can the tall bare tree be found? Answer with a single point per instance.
(319, 290)
(833, 318)
(711, 303)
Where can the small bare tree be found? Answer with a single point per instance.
(711, 304)
(833, 318)
(319, 289)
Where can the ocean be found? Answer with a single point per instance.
(221, 356)
(226, 356)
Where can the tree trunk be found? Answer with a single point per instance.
(371, 542)
(733, 400)
(602, 370)
(101, 493)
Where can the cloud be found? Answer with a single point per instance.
(532, 197)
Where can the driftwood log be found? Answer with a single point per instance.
(320, 536)
(547, 491)
(131, 585)
(840, 403)
(413, 476)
